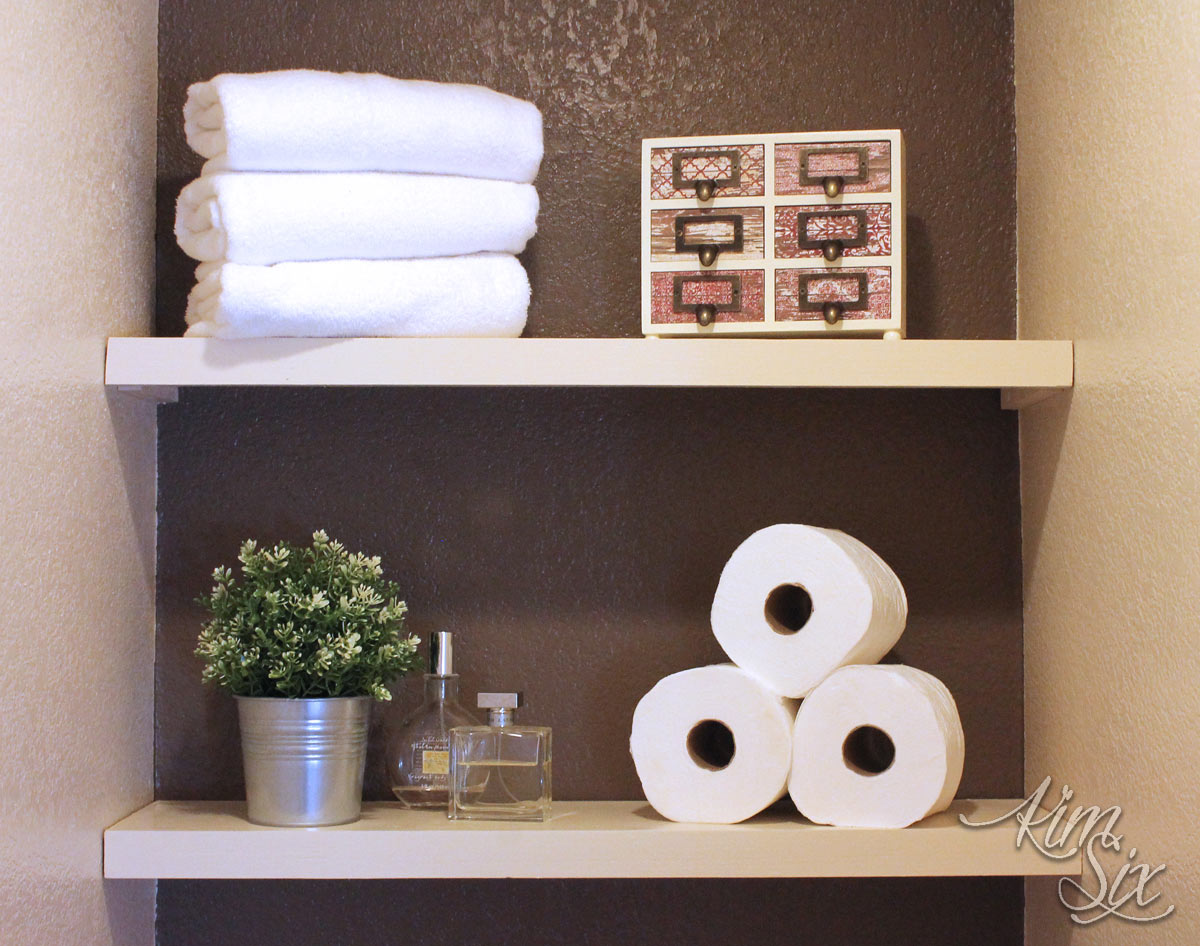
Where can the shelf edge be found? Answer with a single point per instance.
(212, 840)
(169, 363)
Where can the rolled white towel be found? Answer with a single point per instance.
(484, 295)
(303, 120)
(274, 218)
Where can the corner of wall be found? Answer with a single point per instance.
(77, 514)
(1106, 99)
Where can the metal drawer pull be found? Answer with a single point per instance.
(831, 249)
(708, 248)
(706, 312)
(833, 184)
(832, 311)
(706, 187)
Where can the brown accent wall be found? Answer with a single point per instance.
(607, 74)
(574, 537)
(898, 912)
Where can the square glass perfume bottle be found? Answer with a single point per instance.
(501, 771)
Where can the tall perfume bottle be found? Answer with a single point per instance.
(418, 756)
(501, 771)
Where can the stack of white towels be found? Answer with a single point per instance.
(805, 709)
(344, 204)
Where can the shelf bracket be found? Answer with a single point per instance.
(159, 393)
(1015, 399)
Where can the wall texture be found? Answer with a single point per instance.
(606, 75)
(574, 538)
(1110, 475)
(903, 912)
(77, 509)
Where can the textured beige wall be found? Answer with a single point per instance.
(1108, 140)
(77, 503)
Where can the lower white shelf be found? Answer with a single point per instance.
(213, 840)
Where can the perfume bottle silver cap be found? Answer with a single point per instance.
(441, 654)
(501, 707)
(499, 700)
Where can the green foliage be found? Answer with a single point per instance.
(305, 622)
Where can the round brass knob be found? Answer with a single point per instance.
(832, 312)
(708, 255)
(706, 314)
(832, 185)
(705, 189)
(831, 249)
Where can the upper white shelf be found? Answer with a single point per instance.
(213, 840)
(1024, 370)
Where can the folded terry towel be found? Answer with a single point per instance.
(479, 295)
(302, 120)
(273, 218)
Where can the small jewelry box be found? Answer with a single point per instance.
(790, 234)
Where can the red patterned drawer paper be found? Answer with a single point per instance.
(737, 232)
(858, 229)
(737, 170)
(864, 167)
(801, 294)
(736, 294)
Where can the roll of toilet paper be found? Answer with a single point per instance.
(876, 747)
(712, 745)
(796, 602)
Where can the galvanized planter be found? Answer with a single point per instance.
(304, 759)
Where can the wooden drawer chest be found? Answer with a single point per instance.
(789, 234)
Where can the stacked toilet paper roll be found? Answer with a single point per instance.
(794, 603)
(876, 747)
(804, 613)
(712, 744)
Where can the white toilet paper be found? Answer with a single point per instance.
(858, 606)
(712, 745)
(847, 728)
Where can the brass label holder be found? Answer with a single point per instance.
(706, 187)
(708, 249)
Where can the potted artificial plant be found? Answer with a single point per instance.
(306, 640)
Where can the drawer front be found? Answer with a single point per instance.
(861, 294)
(863, 167)
(733, 233)
(816, 231)
(732, 170)
(735, 295)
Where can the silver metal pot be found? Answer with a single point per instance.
(304, 759)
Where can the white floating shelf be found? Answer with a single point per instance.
(1024, 370)
(213, 840)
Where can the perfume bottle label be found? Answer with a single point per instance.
(431, 760)
(435, 762)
